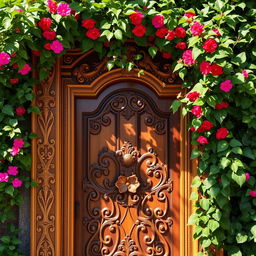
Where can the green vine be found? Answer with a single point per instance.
(213, 50)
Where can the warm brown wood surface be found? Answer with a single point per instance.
(142, 222)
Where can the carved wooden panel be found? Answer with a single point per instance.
(124, 195)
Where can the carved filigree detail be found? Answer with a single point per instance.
(158, 124)
(45, 168)
(152, 223)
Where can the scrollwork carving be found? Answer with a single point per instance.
(152, 225)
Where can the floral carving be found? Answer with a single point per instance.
(129, 184)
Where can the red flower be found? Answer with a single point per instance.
(136, 18)
(193, 96)
(205, 68)
(197, 111)
(189, 14)
(162, 32)
(13, 55)
(88, 23)
(180, 32)
(221, 133)
(14, 81)
(158, 21)
(106, 44)
(15, 66)
(205, 126)
(93, 33)
(192, 129)
(210, 45)
(139, 30)
(222, 105)
(170, 35)
(202, 140)
(216, 31)
(181, 45)
(151, 38)
(45, 24)
(49, 35)
(36, 53)
(20, 111)
(166, 55)
(47, 46)
(216, 70)
(52, 5)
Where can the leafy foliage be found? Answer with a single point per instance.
(226, 207)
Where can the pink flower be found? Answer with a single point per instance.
(4, 177)
(216, 31)
(158, 21)
(25, 70)
(181, 45)
(180, 32)
(193, 96)
(210, 45)
(49, 35)
(202, 140)
(226, 86)
(17, 183)
(13, 170)
(136, 18)
(205, 68)
(63, 9)
(20, 111)
(18, 143)
(197, 111)
(19, 10)
(197, 29)
(252, 193)
(15, 151)
(247, 176)
(56, 46)
(52, 5)
(188, 58)
(222, 133)
(4, 58)
(245, 73)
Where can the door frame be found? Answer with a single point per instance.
(53, 158)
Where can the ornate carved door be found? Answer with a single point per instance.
(126, 174)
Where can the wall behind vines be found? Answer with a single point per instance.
(213, 50)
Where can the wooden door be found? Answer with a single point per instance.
(126, 174)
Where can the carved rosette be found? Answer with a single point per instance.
(129, 190)
(45, 168)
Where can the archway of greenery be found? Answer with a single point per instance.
(213, 50)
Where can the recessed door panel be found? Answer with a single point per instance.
(127, 174)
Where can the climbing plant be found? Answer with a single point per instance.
(213, 50)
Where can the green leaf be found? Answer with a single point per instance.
(239, 59)
(213, 225)
(195, 153)
(178, 67)
(193, 196)
(193, 40)
(86, 45)
(220, 115)
(196, 182)
(9, 190)
(108, 34)
(118, 34)
(8, 110)
(193, 219)
(110, 64)
(238, 177)
(197, 52)
(235, 143)
(253, 231)
(175, 105)
(205, 203)
(152, 51)
(222, 145)
(237, 150)
(241, 238)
